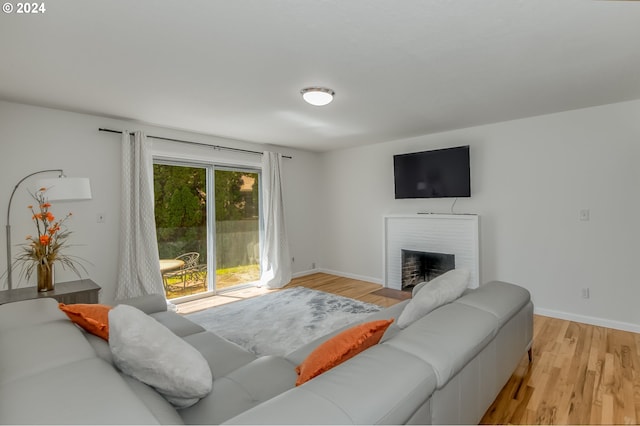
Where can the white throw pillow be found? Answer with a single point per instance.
(417, 288)
(443, 289)
(147, 350)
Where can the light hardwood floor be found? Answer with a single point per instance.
(580, 374)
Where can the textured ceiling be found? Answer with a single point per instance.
(234, 68)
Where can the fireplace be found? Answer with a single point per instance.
(419, 266)
(454, 234)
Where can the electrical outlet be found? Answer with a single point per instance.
(293, 259)
(585, 293)
(584, 215)
(313, 265)
(100, 218)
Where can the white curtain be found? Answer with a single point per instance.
(274, 258)
(139, 269)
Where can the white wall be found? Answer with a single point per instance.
(530, 179)
(34, 138)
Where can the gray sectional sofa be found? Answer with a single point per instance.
(445, 368)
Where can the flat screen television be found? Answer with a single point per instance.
(438, 173)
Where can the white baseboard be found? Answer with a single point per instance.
(352, 276)
(304, 273)
(601, 322)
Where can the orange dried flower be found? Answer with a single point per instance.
(46, 246)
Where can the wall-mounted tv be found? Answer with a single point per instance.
(438, 173)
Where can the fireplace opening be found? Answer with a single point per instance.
(419, 266)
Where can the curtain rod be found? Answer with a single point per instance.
(194, 143)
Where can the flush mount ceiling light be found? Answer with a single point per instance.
(318, 96)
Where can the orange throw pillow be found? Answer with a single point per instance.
(92, 317)
(340, 348)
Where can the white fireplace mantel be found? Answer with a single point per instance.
(455, 234)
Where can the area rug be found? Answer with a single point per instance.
(280, 322)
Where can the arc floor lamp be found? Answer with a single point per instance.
(61, 188)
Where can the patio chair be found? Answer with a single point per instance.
(190, 264)
(197, 276)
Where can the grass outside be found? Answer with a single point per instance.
(225, 278)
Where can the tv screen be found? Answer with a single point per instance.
(438, 173)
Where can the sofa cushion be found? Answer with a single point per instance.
(300, 406)
(81, 392)
(242, 389)
(222, 355)
(177, 323)
(29, 312)
(447, 338)
(437, 292)
(162, 410)
(26, 351)
(101, 347)
(149, 303)
(499, 298)
(150, 352)
(93, 317)
(382, 385)
(340, 348)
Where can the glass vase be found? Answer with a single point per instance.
(45, 277)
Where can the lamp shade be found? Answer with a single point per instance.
(66, 188)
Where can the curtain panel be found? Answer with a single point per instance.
(275, 259)
(139, 269)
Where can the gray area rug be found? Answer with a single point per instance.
(280, 322)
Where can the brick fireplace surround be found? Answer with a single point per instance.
(455, 234)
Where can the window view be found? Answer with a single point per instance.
(182, 203)
(181, 227)
(237, 228)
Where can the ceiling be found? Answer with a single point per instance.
(234, 68)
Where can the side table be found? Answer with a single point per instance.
(79, 291)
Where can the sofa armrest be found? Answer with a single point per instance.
(149, 303)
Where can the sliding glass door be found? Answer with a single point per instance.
(207, 223)
(237, 227)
